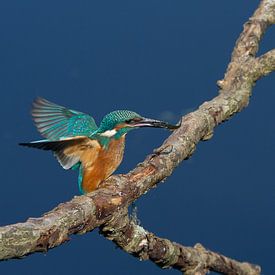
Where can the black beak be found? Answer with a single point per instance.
(147, 122)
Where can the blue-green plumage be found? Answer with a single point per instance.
(80, 178)
(54, 121)
(78, 143)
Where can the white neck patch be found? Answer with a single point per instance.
(109, 133)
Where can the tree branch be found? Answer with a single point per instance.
(134, 239)
(100, 208)
(265, 64)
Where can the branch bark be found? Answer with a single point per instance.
(107, 206)
(135, 240)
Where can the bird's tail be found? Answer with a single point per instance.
(45, 144)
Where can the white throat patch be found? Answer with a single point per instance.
(109, 133)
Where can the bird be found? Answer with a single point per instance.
(79, 144)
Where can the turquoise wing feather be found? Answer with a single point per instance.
(54, 121)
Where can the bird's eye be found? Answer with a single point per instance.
(128, 121)
(133, 120)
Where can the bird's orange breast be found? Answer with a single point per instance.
(103, 166)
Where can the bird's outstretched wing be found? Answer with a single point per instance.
(70, 151)
(54, 121)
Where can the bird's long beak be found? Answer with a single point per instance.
(147, 122)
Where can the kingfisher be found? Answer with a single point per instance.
(79, 144)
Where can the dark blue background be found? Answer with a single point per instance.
(160, 59)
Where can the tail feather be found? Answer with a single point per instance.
(48, 145)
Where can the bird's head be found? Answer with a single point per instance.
(118, 123)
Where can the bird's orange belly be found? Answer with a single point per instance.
(106, 163)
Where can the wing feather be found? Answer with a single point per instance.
(70, 151)
(54, 121)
